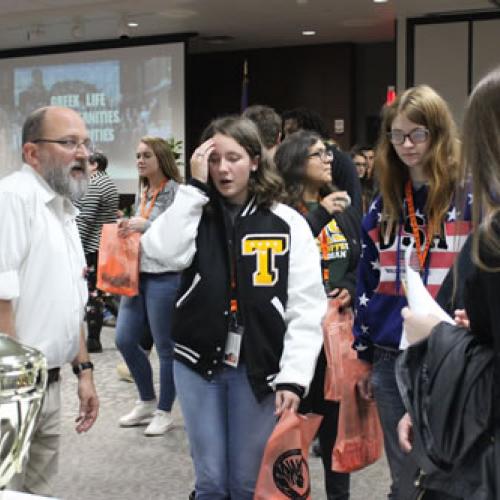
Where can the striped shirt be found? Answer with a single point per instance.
(99, 206)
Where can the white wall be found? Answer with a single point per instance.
(441, 55)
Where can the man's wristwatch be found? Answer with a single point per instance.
(86, 365)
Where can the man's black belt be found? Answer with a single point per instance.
(53, 375)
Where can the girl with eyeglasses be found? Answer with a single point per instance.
(305, 165)
(417, 166)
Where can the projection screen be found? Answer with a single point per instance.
(122, 94)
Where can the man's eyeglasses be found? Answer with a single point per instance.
(416, 136)
(70, 145)
(323, 155)
(359, 164)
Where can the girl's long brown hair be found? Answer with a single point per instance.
(481, 160)
(422, 105)
(165, 157)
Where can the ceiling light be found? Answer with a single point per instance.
(132, 24)
(379, 1)
(123, 28)
(217, 39)
(308, 32)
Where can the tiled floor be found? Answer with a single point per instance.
(111, 463)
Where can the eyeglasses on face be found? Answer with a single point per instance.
(71, 145)
(416, 136)
(322, 154)
(360, 164)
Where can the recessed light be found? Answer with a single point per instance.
(379, 1)
(132, 24)
(217, 39)
(308, 32)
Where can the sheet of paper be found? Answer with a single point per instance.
(420, 300)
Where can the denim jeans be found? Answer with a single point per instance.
(227, 430)
(154, 306)
(390, 408)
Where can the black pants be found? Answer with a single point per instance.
(94, 310)
(337, 484)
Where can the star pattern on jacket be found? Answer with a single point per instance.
(363, 300)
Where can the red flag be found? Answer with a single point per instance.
(391, 95)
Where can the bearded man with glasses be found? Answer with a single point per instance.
(42, 284)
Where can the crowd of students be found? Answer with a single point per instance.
(239, 262)
(262, 243)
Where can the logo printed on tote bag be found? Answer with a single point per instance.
(291, 475)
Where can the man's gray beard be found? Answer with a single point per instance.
(59, 178)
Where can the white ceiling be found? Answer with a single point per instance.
(250, 23)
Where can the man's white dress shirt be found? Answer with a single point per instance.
(41, 265)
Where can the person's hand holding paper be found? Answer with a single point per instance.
(423, 314)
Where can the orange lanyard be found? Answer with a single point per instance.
(145, 210)
(421, 254)
(323, 243)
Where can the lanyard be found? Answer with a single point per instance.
(421, 253)
(323, 244)
(145, 210)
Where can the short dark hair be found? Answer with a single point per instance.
(33, 125)
(100, 159)
(307, 119)
(268, 122)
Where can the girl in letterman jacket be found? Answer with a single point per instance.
(248, 315)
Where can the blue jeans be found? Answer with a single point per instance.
(154, 306)
(227, 430)
(391, 409)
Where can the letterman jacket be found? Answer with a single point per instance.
(278, 280)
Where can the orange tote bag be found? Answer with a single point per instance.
(284, 472)
(337, 341)
(359, 438)
(118, 262)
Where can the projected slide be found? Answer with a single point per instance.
(122, 94)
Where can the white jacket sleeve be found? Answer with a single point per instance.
(171, 238)
(307, 303)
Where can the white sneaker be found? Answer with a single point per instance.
(142, 412)
(162, 422)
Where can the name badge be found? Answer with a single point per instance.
(233, 346)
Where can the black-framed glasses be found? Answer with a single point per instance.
(323, 155)
(70, 145)
(416, 136)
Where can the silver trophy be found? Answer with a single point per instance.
(23, 379)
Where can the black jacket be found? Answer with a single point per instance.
(278, 280)
(446, 382)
